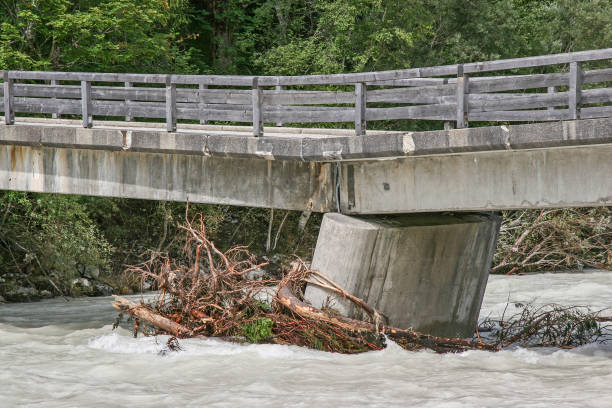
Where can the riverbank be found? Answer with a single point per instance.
(54, 245)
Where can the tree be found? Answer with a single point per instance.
(107, 35)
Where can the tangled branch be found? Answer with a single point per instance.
(547, 240)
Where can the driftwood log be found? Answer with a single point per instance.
(143, 313)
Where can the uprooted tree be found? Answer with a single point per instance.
(211, 293)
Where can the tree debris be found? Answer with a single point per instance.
(208, 293)
(154, 319)
(549, 325)
(554, 239)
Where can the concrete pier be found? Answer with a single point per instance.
(425, 271)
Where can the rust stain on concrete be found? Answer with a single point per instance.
(16, 157)
(322, 179)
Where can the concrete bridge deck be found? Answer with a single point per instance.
(302, 144)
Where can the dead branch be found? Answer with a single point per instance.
(532, 241)
(326, 283)
(280, 228)
(549, 325)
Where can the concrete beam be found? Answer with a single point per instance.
(161, 176)
(568, 177)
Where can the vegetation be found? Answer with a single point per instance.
(50, 243)
(258, 330)
(289, 36)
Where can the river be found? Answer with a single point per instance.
(64, 354)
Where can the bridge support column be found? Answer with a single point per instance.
(425, 271)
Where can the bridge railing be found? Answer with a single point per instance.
(455, 94)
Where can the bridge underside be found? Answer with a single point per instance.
(561, 164)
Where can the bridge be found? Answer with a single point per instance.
(543, 138)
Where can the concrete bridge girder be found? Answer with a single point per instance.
(235, 181)
(486, 181)
(569, 177)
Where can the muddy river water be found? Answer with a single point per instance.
(64, 354)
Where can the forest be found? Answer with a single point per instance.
(59, 245)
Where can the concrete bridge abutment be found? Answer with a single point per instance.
(425, 271)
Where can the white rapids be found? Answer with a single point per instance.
(64, 354)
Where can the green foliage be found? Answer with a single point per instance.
(577, 25)
(258, 330)
(350, 36)
(364, 35)
(107, 35)
(44, 237)
(289, 36)
(56, 229)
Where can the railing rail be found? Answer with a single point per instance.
(449, 93)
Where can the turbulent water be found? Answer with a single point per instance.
(65, 354)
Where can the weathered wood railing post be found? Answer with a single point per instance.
(257, 109)
(202, 99)
(551, 90)
(575, 90)
(9, 110)
(128, 117)
(170, 104)
(54, 82)
(462, 97)
(279, 88)
(86, 106)
(360, 108)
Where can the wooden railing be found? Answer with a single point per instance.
(455, 94)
